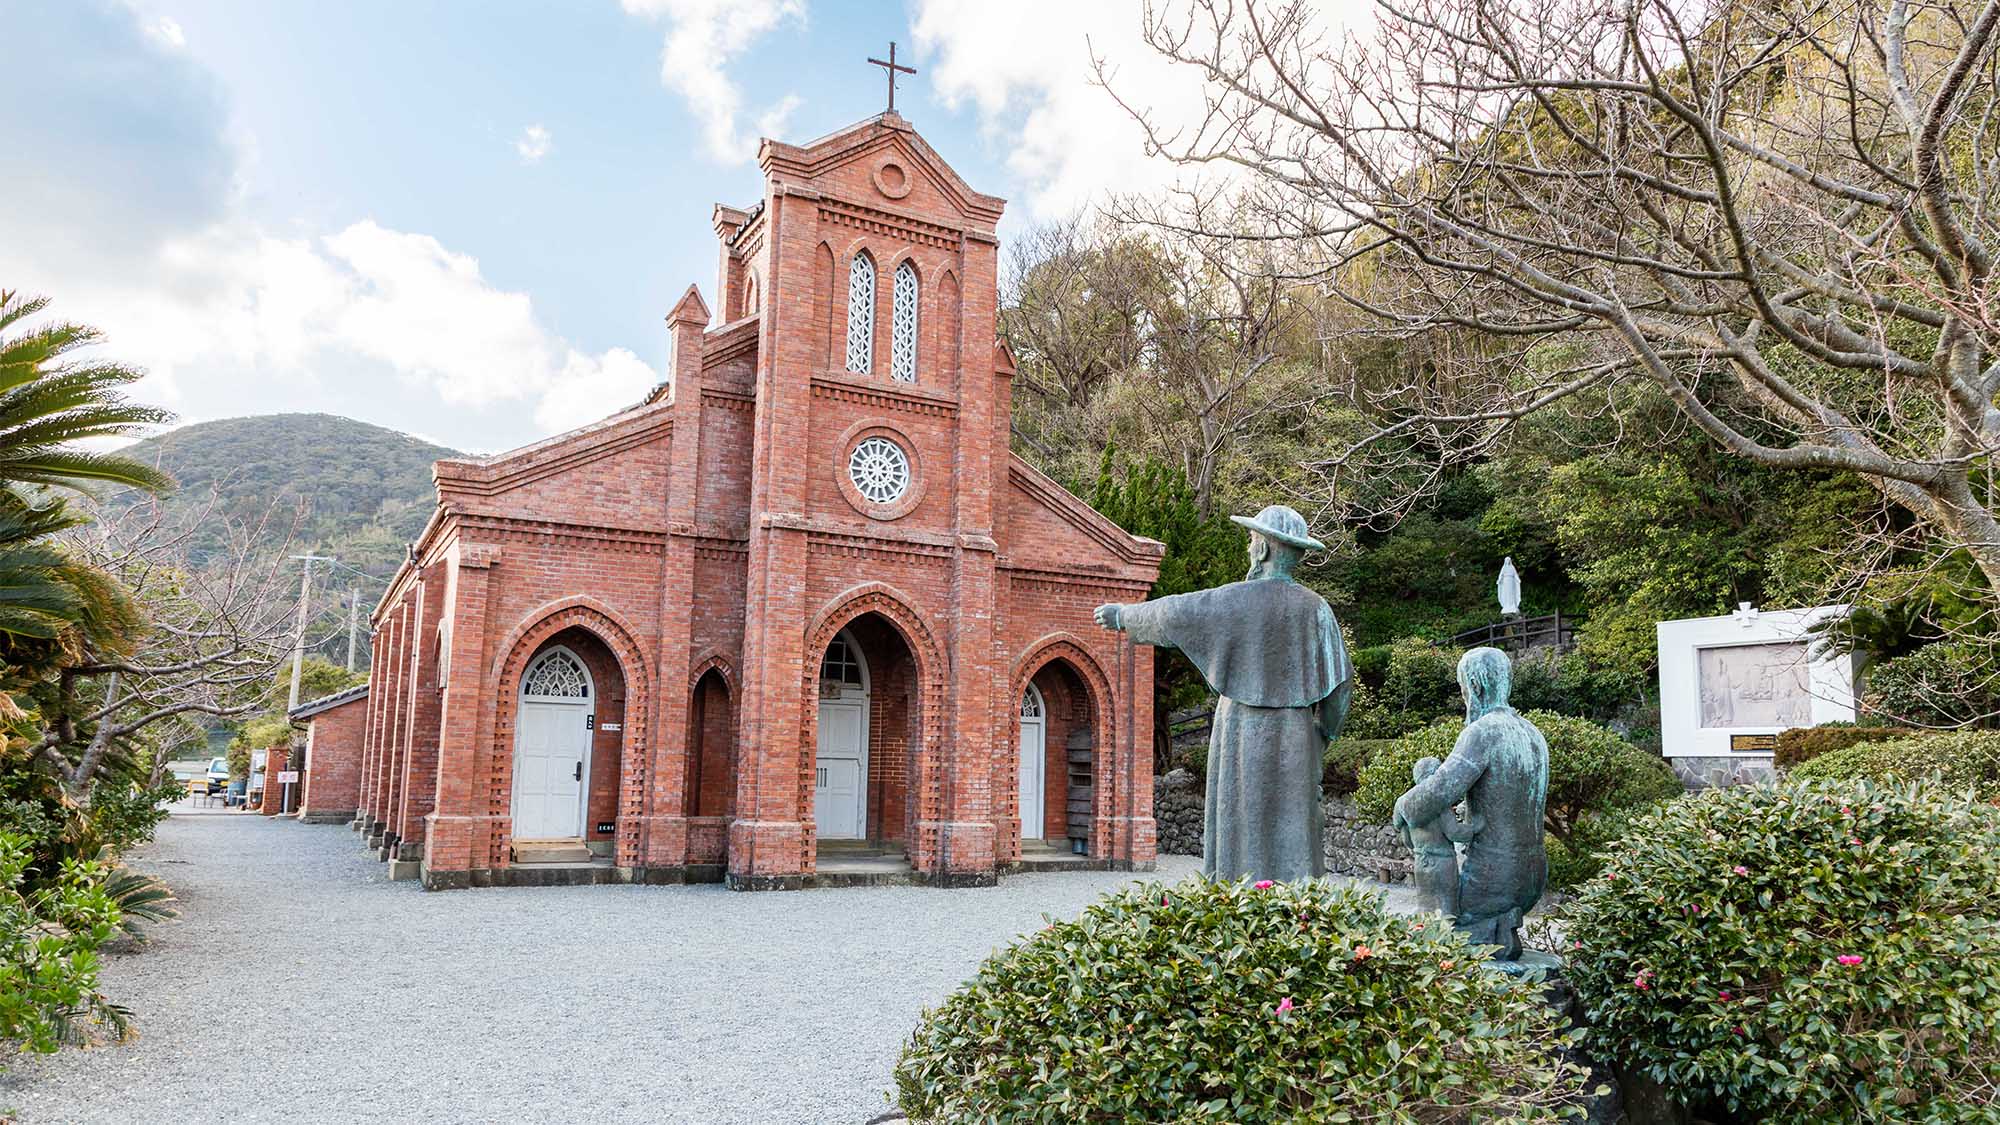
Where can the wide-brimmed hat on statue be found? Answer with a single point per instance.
(1282, 524)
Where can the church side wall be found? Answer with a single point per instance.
(1046, 616)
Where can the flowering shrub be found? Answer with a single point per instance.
(1808, 952)
(1225, 1002)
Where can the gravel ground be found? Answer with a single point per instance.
(300, 985)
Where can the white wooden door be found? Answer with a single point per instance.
(552, 743)
(840, 776)
(1034, 762)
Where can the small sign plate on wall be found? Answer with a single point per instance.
(612, 726)
(605, 827)
(1754, 743)
(288, 777)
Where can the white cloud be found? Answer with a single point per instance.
(533, 144)
(234, 298)
(702, 37)
(590, 387)
(1035, 91)
(232, 314)
(166, 32)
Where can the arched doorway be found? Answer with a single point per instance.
(840, 766)
(1033, 764)
(868, 739)
(552, 746)
(1058, 798)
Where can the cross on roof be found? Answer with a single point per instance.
(892, 67)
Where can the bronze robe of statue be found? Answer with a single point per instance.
(1270, 648)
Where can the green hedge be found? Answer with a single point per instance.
(1340, 773)
(1802, 744)
(1965, 760)
(1224, 1002)
(1802, 953)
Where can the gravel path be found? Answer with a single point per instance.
(299, 985)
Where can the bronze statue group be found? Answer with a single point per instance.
(1271, 651)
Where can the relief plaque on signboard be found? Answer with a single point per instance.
(1755, 686)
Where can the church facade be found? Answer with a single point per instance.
(799, 613)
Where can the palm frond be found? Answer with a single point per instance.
(140, 898)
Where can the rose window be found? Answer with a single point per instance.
(880, 470)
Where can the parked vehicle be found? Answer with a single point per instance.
(218, 775)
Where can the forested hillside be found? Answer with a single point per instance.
(367, 489)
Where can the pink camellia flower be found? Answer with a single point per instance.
(1163, 900)
(1856, 842)
(1741, 870)
(1639, 982)
(1740, 1031)
(1363, 953)
(1263, 884)
(1849, 959)
(1724, 995)
(1285, 1006)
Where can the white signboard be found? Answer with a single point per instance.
(288, 777)
(1729, 684)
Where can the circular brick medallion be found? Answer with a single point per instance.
(878, 471)
(892, 180)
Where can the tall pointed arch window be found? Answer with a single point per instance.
(861, 314)
(903, 326)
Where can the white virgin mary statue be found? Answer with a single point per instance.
(1509, 588)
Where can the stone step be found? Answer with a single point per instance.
(551, 851)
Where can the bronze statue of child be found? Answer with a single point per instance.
(1434, 854)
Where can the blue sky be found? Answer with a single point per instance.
(467, 220)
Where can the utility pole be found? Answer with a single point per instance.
(353, 619)
(299, 640)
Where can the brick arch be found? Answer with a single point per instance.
(893, 606)
(712, 660)
(1071, 650)
(542, 623)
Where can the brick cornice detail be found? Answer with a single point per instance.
(884, 222)
(874, 394)
(504, 528)
(501, 472)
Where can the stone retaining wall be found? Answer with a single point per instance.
(1354, 844)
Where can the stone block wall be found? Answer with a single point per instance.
(1354, 844)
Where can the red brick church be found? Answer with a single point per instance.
(798, 618)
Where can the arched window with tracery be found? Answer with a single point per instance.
(556, 674)
(903, 326)
(861, 314)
